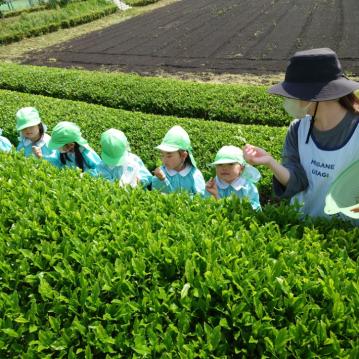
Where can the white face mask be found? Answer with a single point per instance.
(293, 108)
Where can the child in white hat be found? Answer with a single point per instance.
(33, 137)
(234, 177)
(118, 163)
(5, 144)
(178, 171)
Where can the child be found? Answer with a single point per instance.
(72, 149)
(34, 140)
(234, 176)
(118, 163)
(179, 171)
(5, 144)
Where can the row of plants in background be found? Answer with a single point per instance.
(90, 270)
(144, 131)
(245, 104)
(140, 2)
(42, 5)
(38, 23)
(21, 11)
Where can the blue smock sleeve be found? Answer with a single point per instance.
(199, 185)
(92, 159)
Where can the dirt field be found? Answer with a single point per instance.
(219, 36)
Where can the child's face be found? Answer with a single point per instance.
(67, 148)
(228, 172)
(174, 160)
(32, 133)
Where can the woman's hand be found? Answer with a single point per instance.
(256, 155)
(159, 174)
(212, 188)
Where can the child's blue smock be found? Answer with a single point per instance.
(132, 171)
(91, 159)
(26, 144)
(190, 179)
(240, 187)
(5, 144)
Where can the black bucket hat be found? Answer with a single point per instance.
(314, 75)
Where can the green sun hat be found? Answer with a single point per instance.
(114, 147)
(177, 139)
(343, 194)
(65, 133)
(233, 154)
(229, 154)
(27, 117)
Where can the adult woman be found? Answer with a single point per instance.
(324, 138)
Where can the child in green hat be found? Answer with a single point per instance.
(179, 170)
(5, 144)
(118, 163)
(72, 149)
(234, 177)
(33, 140)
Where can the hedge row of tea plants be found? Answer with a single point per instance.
(144, 131)
(245, 104)
(140, 2)
(90, 270)
(39, 23)
(22, 11)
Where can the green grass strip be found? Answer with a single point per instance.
(247, 104)
(144, 131)
(38, 23)
(140, 2)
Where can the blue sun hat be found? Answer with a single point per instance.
(343, 194)
(233, 154)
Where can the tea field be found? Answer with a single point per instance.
(91, 270)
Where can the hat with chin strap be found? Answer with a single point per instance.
(315, 75)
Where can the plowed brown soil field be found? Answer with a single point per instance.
(220, 36)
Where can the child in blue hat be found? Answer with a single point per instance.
(234, 177)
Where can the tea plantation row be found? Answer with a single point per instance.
(244, 104)
(144, 131)
(42, 22)
(90, 270)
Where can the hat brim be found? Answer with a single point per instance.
(29, 124)
(167, 148)
(315, 91)
(225, 161)
(53, 145)
(344, 192)
(110, 161)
